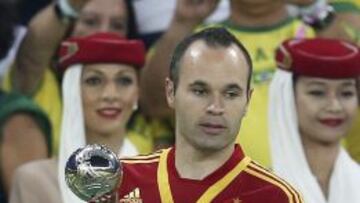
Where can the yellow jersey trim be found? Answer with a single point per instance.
(209, 194)
(163, 178)
(142, 157)
(220, 185)
(288, 187)
(140, 161)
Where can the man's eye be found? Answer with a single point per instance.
(231, 94)
(199, 92)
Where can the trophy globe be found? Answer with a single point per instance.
(92, 172)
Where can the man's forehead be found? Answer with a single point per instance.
(201, 45)
(202, 50)
(203, 58)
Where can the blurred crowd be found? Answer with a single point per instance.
(125, 106)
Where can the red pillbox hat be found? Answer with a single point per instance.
(101, 48)
(324, 58)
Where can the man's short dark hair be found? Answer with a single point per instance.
(215, 37)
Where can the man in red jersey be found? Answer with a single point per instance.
(209, 89)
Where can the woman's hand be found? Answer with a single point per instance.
(194, 11)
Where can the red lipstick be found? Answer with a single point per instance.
(332, 122)
(109, 113)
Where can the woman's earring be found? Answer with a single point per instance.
(135, 107)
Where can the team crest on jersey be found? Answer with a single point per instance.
(132, 197)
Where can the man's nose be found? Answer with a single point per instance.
(216, 105)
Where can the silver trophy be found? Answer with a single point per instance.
(93, 171)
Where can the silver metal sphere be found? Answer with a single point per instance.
(92, 172)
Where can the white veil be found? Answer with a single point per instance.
(72, 127)
(288, 157)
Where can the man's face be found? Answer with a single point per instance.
(211, 98)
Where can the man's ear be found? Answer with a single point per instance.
(170, 92)
(249, 94)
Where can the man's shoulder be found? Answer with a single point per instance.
(139, 170)
(267, 184)
(142, 161)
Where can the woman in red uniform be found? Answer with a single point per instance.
(313, 102)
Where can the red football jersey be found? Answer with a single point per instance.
(154, 178)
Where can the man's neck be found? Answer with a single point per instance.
(259, 15)
(196, 164)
